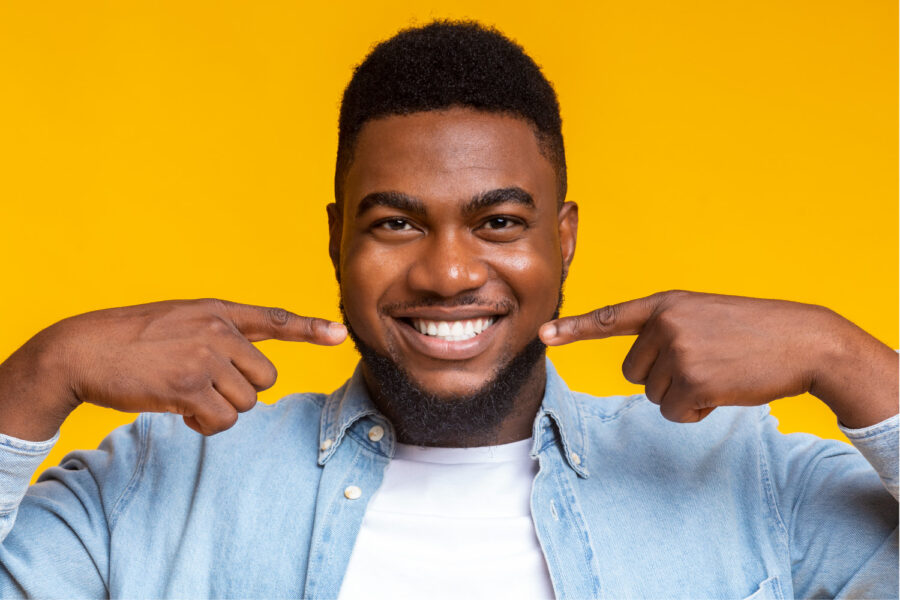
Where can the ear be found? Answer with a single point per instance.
(568, 234)
(335, 233)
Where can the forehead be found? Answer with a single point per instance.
(448, 155)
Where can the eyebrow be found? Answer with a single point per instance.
(396, 200)
(516, 195)
(410, 204)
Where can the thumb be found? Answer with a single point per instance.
(625, 318)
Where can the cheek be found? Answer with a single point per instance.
(534, 277)
(366, 275)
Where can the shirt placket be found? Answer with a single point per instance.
(560, 524)
(350, 477)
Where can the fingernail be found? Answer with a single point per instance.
(549, 331)
(336, 329)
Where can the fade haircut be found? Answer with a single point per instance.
(450, 64)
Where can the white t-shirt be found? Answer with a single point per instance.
(451, 523)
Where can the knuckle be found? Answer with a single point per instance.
(653, 393)
(676, 413)
(702, 397)
(205, 428)
(190, 381)
(704, 394)
(248, 402)
(210, 304)
(203, 353)
(629, 371)
(223, 419)
(667, 321)
(688, 379)
(674, 294)
(278, 317)
(246, 399)
(604, 317)
(228, 420)
(217, 326)
(311, 326)
(269, 374)
(680, 348)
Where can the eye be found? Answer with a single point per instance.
(395, 225)
(499, 223)
(502, 223)
(502, 228)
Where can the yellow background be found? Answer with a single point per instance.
(185, 149)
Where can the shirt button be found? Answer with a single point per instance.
(326, 445)
(352, 492)
(575, 458)
(376, 433)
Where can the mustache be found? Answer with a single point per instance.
(499, 306)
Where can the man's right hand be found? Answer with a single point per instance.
(190, 357)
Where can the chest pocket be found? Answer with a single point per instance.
(769, 589)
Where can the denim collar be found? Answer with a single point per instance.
(351, 402)
(560, 407)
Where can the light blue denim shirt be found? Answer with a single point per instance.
(625, 504)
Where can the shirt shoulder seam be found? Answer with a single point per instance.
(766, 482)
(143, 424)
(628, 404)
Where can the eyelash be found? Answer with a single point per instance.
(513, 221)
(385, 223)
(395, 220)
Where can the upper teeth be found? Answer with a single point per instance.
(453, 331)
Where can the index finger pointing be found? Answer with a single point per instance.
(269, 323)
(625, 318)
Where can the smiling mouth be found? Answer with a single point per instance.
(452, 331)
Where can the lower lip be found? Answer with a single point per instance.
(435, 347)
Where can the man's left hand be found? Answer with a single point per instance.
(695, 352)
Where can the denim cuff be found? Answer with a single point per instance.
(878, 443)
(19, 459)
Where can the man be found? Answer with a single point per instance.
(454, 462)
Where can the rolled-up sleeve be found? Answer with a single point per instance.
(879, 444)
(19, 459)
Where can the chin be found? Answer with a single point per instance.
(451, 384)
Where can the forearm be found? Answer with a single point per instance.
(34, 396)
(858, 377)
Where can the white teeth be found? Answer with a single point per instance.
(452, 331)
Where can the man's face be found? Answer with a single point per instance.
(450, 243)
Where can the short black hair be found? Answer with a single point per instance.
(446, 64)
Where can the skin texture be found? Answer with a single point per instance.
(693, 352)
(194, 358)
(440, 256)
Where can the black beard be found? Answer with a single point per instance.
(428, 419)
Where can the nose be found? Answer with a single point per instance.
(447, 266)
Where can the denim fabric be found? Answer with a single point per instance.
(625, 504)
